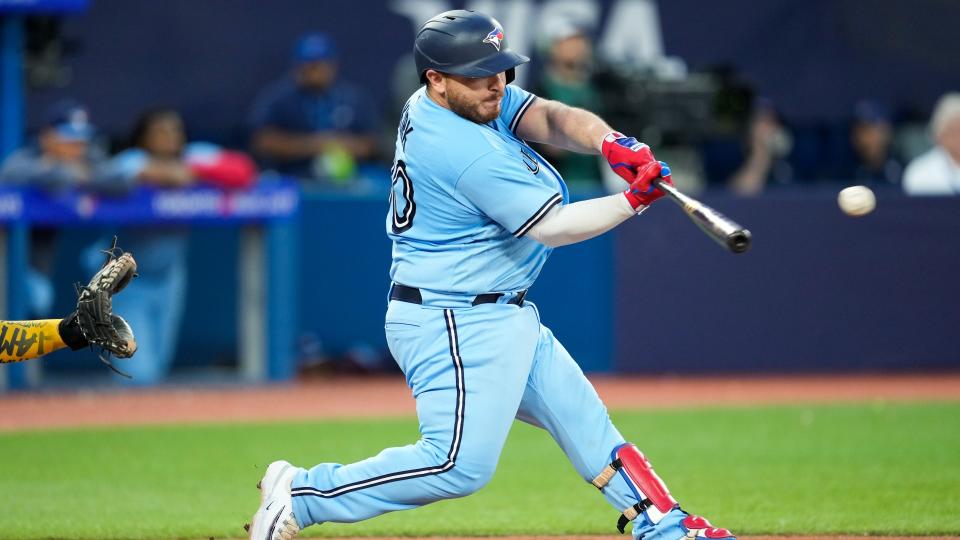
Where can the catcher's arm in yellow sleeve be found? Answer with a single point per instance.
(93, 323)
(25, 340)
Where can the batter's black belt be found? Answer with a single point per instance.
(412, 295)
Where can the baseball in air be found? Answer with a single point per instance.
(857, 200)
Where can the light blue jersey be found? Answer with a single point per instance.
(464, 196)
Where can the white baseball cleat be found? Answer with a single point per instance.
(274, 519)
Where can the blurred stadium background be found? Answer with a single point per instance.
(286, 279)
(307, 269)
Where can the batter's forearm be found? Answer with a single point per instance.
(576, 129)
(581, 220)
(25, 340)
(556, 124)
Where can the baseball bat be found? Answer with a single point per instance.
(725, 231)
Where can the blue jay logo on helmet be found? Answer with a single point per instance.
(494, 37)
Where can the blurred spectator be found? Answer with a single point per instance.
(768, 145)
(160, 157)
(61, 158)
(310, 124)
(871, 136)
(937, 172)
(567, 78)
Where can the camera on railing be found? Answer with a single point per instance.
(672, 108)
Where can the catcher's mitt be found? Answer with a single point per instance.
(94, 316)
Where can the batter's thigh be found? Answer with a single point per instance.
(467, 369)
(492, 346)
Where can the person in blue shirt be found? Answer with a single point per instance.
(155, 301)
(474, 214)
(160, 157)
(311, 124)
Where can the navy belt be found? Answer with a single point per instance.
(412, 295)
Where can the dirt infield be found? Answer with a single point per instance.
(389, 396)
(627, 537)
(622, 537)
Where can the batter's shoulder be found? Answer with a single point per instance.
(447, 141)
(478, 143)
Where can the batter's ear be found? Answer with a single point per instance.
(436, 81)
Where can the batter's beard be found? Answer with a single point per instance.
(471, 110)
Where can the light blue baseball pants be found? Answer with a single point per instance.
(472, 371)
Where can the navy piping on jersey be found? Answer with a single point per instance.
(413, 473)
(520, 112)
(538, 215)
(543, 160)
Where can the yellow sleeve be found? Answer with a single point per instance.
(25, 340)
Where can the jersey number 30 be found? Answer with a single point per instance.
(402, 188)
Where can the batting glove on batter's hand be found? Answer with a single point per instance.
(642, 192)
(93, 323)
(626, 155)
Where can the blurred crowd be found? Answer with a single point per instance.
(759, 150)
(312, 124)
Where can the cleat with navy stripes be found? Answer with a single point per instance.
(679, 525)
(274, 519)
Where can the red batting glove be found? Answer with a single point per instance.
(642, 192)
(626, 155)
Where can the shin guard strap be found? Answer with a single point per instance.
(631, 513)
(607, 474)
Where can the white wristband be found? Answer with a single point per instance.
(610, 137)
(638, 210)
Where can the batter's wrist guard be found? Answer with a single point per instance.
(654, 498)
(626, 155)
(609, 138)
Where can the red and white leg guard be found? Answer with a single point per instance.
(655, 499)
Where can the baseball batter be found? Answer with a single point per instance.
(474, 214)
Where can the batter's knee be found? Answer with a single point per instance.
(466, 480)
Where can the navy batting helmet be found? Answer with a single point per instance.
(467, 43)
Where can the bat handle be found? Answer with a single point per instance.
(666, 188)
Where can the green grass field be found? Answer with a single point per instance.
(882, 469)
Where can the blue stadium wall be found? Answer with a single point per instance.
(819, 291)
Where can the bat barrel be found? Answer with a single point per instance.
(739, 241)
(723, 230)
